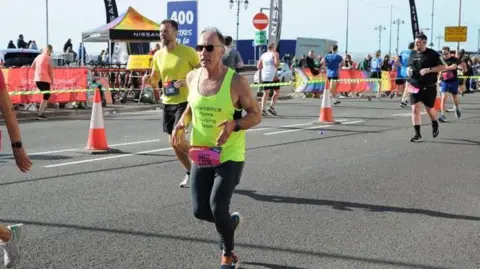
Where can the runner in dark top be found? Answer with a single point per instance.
(423, 69)
(449, 83)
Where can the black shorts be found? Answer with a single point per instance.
(376, 74)
(332, 78)
(400, 81)
(426, 95)
(267, 88)
(171, 116)
(44, 87)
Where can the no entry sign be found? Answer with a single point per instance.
(260, 21)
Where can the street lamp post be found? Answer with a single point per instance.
(380, 28)
(431, 26)
(391, 26)
(46, 18)
(439, 41)
(398, 22)
(459, 20)
(346, 30)
(478, 41)
(232, 2)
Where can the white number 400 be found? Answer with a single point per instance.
(181, 17)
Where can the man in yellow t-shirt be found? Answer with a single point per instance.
(171, 64)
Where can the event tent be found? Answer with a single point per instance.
(130, 26)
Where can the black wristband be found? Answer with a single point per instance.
(237, 126)
(17, 145)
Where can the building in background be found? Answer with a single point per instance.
(319, 46)
(294, 47)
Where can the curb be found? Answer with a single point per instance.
(82, 113)
(86, 113)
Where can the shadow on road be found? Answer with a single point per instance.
(347, 206)
(268, 265)
(85, 172)
(399, 264)
(455, 141)
(33, 157)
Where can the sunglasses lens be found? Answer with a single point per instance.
(209, 48)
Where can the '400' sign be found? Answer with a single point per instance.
(185, 14)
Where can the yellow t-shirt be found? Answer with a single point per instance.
(175, 65)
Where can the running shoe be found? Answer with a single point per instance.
(11, 249)
(185, 182)
(416, 138)
(230, 262)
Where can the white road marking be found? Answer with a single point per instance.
(106, 158)
(258, 129)
(298, 130)
(353, 122)
(314, 127)
(406, 114)
(146, 112)
(69, 150)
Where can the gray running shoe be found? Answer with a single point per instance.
(11, 249)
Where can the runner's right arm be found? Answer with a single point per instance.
(6, 107)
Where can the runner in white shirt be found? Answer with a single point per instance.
(267, 66)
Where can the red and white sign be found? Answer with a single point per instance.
(260, 21)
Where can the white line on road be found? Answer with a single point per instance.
(258, 129)
(298, 130)
(353, 122)
(314, 127)
(68, 150)
(406, 114)
(107, 158)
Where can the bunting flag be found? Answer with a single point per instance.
(414, 18)
(275, 22)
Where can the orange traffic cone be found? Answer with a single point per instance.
(438, 100)
(326, 111)
(97, 140)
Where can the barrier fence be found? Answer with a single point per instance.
(71, 84)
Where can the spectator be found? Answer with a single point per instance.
(21, 44)
(232, 57)
(33, 45)
(11, 45)
(67, 45)
(82, 54)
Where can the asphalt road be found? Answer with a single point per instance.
(355, 195)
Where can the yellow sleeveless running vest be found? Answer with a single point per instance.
(208, 112)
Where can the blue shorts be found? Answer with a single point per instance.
(451, 87)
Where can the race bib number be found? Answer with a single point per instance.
(447, 75)
(170, 90)
(413, 89)
(205, 156)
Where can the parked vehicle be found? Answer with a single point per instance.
(18, 57)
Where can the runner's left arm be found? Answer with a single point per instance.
(247, 103)
(439, 63)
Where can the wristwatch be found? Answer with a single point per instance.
(17, 145)
(237, 126)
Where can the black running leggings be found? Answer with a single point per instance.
(212, 189)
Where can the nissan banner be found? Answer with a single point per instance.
(275, 23)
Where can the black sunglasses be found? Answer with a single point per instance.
(209, 48)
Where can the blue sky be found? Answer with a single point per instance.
(302, 18)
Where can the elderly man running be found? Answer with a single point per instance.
(217, 145)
